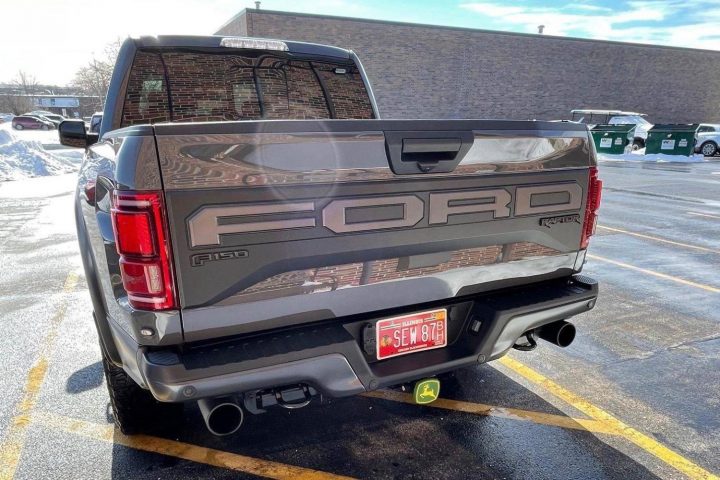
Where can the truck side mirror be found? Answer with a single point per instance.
(73, 134)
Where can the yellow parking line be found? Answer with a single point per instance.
(658, 239)
(12, 446)
(643, 441)
(702, 286)
(502, 412)
(698, 214)
(186, 451)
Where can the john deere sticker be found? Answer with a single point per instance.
(426, 391)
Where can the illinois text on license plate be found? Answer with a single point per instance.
(411, 333)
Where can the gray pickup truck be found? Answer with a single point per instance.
(254, 235)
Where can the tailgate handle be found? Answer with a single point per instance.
(426, 152)
(443, 148)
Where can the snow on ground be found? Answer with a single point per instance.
(36, 153)
(639, 156)
(40, 187)
(45, 137)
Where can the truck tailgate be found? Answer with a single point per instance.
(283, 222)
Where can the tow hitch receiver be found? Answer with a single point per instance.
(290, 396)
(426, 391)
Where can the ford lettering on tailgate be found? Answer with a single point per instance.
(208, 223)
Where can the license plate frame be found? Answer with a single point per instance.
(389, 331)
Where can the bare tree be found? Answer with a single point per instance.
(15, 104)
(112, 49)
(94, 78)
(25, 82)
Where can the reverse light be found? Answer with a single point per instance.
(141, 239)
(594, 194)
(254, 43)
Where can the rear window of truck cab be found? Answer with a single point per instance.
(187, 86)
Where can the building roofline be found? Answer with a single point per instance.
(466, 29)
(235, 17)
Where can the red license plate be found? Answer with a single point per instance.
(411, 333)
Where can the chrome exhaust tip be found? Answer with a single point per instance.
(223, 415)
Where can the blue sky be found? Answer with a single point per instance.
(688, 23)
(55, 50)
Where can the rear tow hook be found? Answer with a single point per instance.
(529, 345)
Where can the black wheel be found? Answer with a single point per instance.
(638, 143)
(135, 410)
(709, 149)
(44, 127)
(18, 127)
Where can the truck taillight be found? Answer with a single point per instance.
(141, 239)
(594, 193)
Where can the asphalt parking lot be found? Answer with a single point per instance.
(636, 396)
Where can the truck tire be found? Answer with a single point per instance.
(135, 410)
(709, 149)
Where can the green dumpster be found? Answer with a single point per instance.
(671, 139)
(612, 139)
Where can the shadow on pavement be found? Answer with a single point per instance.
(85, 379)
(376, 438)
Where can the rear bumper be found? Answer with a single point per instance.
(330, 356)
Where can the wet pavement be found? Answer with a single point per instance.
(637, 395)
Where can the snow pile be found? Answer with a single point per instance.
(45, 137)
(639, 156)
(26, 157)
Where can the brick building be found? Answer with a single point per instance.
(423, 71)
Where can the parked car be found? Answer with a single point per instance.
(707, 139)
(617, 117)
(54, 118)
(257, 263)
(95, 122)
(31, 122)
